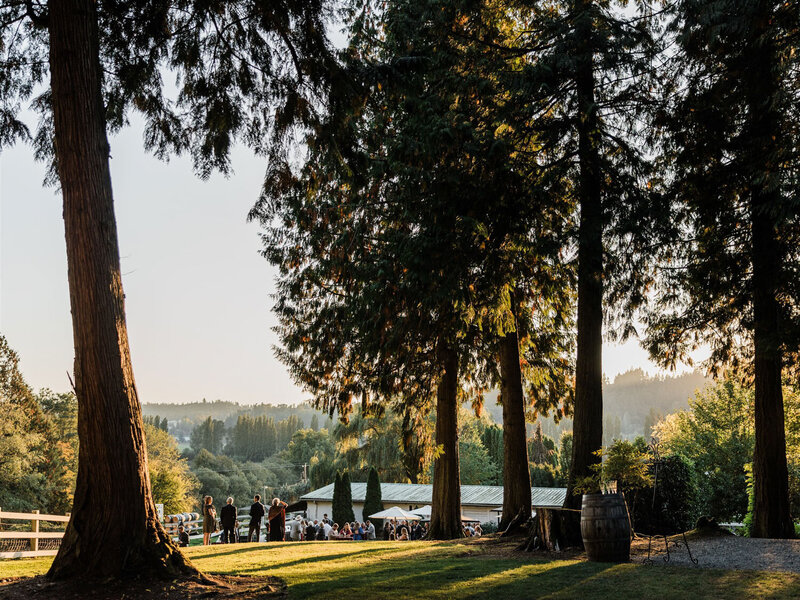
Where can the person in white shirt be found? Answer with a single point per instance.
(295, 527)
(327, 528)
(370, 531)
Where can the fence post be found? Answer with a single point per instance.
(35, 529)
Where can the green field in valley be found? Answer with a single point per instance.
(421, 570)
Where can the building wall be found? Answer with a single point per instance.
(316, 509)
(481, 513)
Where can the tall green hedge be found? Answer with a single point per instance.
(373, 502)
(347, 498)
(342, 509)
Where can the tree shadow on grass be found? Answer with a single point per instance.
(444, 577)
(256, 553)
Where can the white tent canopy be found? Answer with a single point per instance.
(423, 511)
(395, 513)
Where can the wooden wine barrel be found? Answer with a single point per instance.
(605, 528)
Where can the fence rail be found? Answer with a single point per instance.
(26, 544)
(33, 543)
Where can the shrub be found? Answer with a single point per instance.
(543, 475)
(489, 527)
(670, 511)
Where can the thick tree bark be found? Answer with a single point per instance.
(516, 475)
(588, 410)
(114, 528)
(771, 516)
(446, 504)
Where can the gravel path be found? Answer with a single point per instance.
(725, 552)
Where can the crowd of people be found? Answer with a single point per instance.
(299, 529)
(228, 522)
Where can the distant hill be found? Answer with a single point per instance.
(640, 400)
(183, 418)
(636, 399)
(194, 411)
(632, 403)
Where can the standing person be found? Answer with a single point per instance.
(277, 520)
(295, 529)
(325, 519)
(257, 513)
(209, 520)
(325, 530)
(311, 531)
(370, 531)
(227, 516)
(387, 531)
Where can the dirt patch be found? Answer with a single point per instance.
(506, 547)
(239, 587)
(722, 552)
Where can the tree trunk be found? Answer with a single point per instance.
(588, 410)
(446, 504)
(516, 474)
(771, 516)
(114, 529)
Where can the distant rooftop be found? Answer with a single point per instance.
(419, 493)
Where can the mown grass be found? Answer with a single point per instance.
(421, 570)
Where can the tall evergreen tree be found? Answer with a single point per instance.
(586, 80)
(373, 502)
(342, 506)
(105, 60)
(730, 272)
(410, 224)
(347, 498)
(336, 503)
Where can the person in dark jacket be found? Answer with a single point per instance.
(277, 520)
(257, 512)
(311, 532)
(183, 537)
(227, 517)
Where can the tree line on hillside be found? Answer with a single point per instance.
(185, 417)
(484, 187)
(251, 438)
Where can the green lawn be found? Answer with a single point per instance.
(421, 570)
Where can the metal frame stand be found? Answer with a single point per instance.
(654, 447)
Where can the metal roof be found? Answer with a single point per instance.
(419, 493)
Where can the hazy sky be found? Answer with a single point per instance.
(197, 291)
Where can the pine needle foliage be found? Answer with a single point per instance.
(372, 501)
(729, 268)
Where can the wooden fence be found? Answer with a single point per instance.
(21, 543)
(18, 540)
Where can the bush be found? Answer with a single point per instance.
(675, 493)
(489, 527)
(543, 475)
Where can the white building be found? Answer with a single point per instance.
(477, 501)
